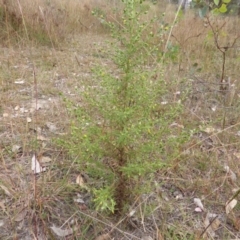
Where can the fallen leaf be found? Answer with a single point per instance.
(62, 233)
(226, 168)
(36, 167)
(45, 159)
(78, 199)
(214, 108)
(131, 213)
(2, 223)
(236, 222)
(235, 190)
(198, 209)
(230, 205)
(80, 181)
(29, 120)
(42, 138)
(51, 127)
(146, 238)
(83, 207)
(159, 235)
(177, 125)
(209, 130)
(198, 202)
(208, 227)
(20, 215)
(16, 148)
(105, 236)
(19, 81)
(2, 205)
(231, 174)
(5, 189)
(215, 224)
(212, 215)
(237, 154)
(179, 196)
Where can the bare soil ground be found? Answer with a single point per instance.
(51, 205)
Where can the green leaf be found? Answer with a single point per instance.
(215, 11)
(226, 1)
(223, 8)
(203, 11)
(216, 2)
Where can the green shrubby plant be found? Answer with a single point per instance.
(121, 133)
(215, 6)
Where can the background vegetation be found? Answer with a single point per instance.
(119, 119)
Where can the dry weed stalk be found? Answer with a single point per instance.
(221, 48)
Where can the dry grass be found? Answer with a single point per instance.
(31, 204)
(50, 22)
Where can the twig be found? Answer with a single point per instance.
(110, 225)
(208, 226)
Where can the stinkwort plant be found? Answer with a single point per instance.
(122, 134)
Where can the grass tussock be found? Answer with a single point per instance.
(50, 22)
